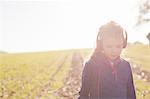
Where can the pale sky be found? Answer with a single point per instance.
(38, 25)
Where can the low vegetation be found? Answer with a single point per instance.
(53, 75)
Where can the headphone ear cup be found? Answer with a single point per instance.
(99, 44)
(124, 43)
(125, 39)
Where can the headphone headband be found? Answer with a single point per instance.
(99, 39)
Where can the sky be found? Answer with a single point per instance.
(44, 25)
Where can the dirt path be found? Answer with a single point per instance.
(73, 81)
(72, 85)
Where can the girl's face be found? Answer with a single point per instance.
(112, 47)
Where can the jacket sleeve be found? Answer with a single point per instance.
(130, 86)
(85, 87)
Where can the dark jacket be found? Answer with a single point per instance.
(98, 81)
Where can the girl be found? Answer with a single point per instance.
(106, 75)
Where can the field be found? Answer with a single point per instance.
(139, 57)
(57, 74)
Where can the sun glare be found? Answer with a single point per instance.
(50, 25)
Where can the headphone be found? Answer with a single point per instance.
(99, 40)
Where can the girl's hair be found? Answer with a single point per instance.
(110, 29)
